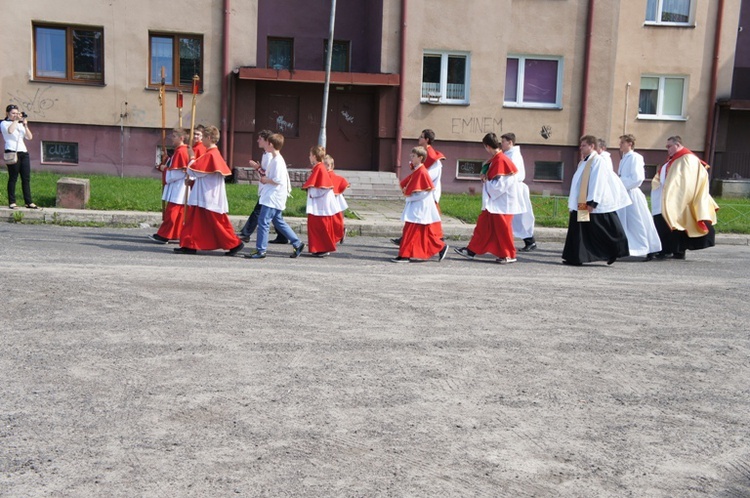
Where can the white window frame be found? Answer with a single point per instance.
(520, 82)
(442, 98)
(659, 116)
(660, 9)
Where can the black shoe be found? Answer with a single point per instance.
(570, 263)
(465, 252)
(529, 247)
(234, 250)
(297, 250)
(442, 253)
(612, 260)
(184, 250)
(342, 238)
(649, 257)
(158, 239)
(243, 238)
(278, 240)
(322, 254)
(255, 255)
(678, 255)
(662, 255)
(396, 241)
(399, 259)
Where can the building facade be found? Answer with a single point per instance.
(549, 71)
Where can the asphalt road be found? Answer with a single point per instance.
(128, 370)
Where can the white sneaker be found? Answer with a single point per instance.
(505, 261)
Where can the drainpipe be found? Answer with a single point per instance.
(708, 148)
(225, 81)
(232, 113)
(586, 67)
(402, 71)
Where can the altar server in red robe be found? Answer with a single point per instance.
(321, 206)
(339, 185)
(494, 229)
(420, 238)
(207, 226)
(174, 189)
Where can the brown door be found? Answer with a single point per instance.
(350, 129)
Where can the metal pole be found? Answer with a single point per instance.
(327, 84)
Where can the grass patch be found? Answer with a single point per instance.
(111, 193)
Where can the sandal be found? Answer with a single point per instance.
(32, 206)
(13, 206)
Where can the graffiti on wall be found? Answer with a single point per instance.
(460, 126)
(37, 104)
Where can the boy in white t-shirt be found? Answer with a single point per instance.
(273, 193)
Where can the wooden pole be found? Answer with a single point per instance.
(163, 161)
(196, 79)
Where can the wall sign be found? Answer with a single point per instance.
(59, 152)
(469, 169)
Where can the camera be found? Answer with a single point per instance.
(24, 115)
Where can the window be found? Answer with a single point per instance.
(662, 97)
(533, 82)
(181, 56)
(445, 78)
(469, 169)
(72, 54)
(671, 12)
(59, 152)
(280, 53)
(340, 58)
(548, 171)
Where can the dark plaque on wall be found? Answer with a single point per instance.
(60, 152)
(469, 168)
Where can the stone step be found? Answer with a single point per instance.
(363, 184)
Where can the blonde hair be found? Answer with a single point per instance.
(212, 134)
(328, 161)
(318, 152)
(420, 151)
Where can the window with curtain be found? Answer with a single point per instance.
(280, 53)
(72, 54)
(662, 97)
(180, 55)
(668, 11)
(533, 82)
(340, 58)
(445, 77)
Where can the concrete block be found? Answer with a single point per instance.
(73, 193)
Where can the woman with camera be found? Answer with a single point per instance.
(15, 129)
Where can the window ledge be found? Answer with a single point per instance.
(68, 82)
(186, 91)
(444, 102)
(548, 107)
(654, 117)
(670, 24)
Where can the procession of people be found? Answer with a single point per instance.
(609, 214)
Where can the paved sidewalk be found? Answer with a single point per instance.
(376, 218)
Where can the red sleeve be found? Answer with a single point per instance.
(211, 162)
(339, 183)
(319, 178)
(179, 158)
(501, 165)
(418, 181)
(432, 156)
